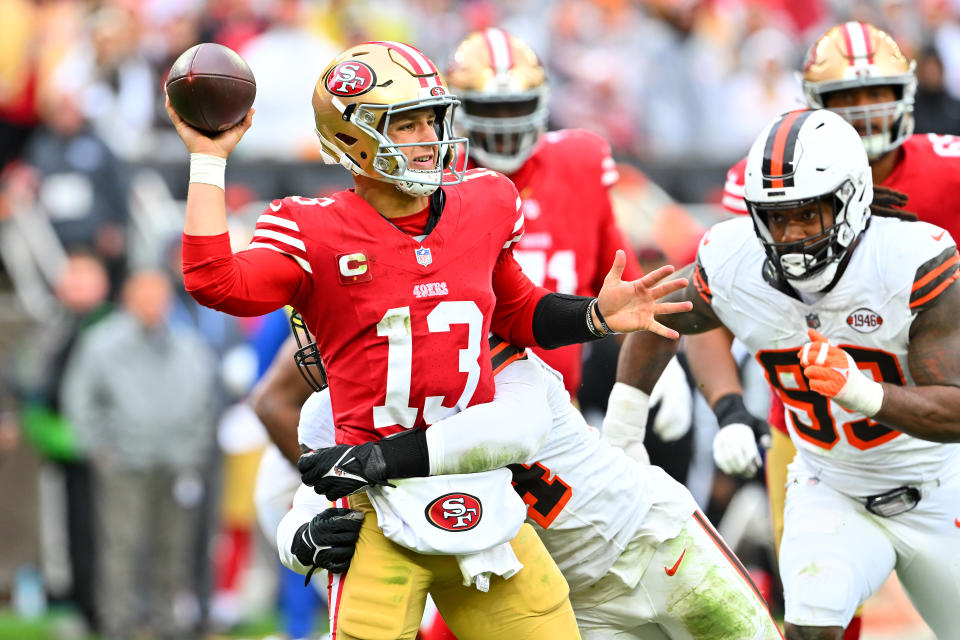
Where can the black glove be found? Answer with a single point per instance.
(343, 470)
(730, 410)
(347, 469)
(328, 540)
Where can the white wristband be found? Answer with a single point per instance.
(208, 169)
(625, 423)
(860, 393)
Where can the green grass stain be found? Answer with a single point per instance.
(479, 459)
(714, 609)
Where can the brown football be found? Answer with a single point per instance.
(211, 87)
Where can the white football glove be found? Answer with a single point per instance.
(735, 450)
(625, 423)
(672, 392)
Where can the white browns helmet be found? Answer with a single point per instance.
(355, 98)
(801, 158)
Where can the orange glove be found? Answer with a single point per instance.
(834, 374)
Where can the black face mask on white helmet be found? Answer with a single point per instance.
(809, 158)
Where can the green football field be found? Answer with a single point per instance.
(58, 625)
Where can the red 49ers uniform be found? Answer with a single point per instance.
(571, 235)
(401, 324)
(402, 327)
(928, 172)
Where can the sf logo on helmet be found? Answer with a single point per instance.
(454, 512)
(350, 78)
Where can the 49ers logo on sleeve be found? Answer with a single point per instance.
(351, 78)
(864, 320)
(454, 512)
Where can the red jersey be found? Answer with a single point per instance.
(401, 324)
(928, 172)
(571, 235)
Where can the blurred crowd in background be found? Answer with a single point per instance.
(92, 182)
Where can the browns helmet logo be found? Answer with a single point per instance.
(351, 78)
(454, 512)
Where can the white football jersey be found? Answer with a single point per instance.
(587, 499)
(897, 269)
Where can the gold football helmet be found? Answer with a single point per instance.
(357, 95)
(857, 54)
(503, 89)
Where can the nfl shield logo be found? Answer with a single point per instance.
(423, 256)
(813, 321)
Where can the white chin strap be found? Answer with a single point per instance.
(876, 144)
(419, 189)
(812, 284)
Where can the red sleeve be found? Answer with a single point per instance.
(248, 283)
(612, 239)
(733, 189)
(517, 298)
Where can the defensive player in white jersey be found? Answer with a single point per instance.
(611, 523)
(854, 319)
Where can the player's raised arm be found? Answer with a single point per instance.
(251, 285)
(206, 206)
(644, 355)
(530, 316)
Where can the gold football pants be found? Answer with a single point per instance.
(383, 594)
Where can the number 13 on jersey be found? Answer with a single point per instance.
(396, 326)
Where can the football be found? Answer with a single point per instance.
(211, 87)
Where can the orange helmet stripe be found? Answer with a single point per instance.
(779, 150)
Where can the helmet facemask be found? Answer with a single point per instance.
(503, 128)
(810, 264)
(307, 355)
(390, 163)
(882, 126)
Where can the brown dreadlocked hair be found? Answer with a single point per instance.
(889, 203)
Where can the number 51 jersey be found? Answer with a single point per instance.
(897, 270)
(401, 324)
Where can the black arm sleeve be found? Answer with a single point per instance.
(560, 319)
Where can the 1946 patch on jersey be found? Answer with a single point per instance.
(864, 320)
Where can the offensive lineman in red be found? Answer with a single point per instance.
(563, 176)
(401, 281)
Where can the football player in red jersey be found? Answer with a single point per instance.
(563, 176)
(400, 279)
(859, 72)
